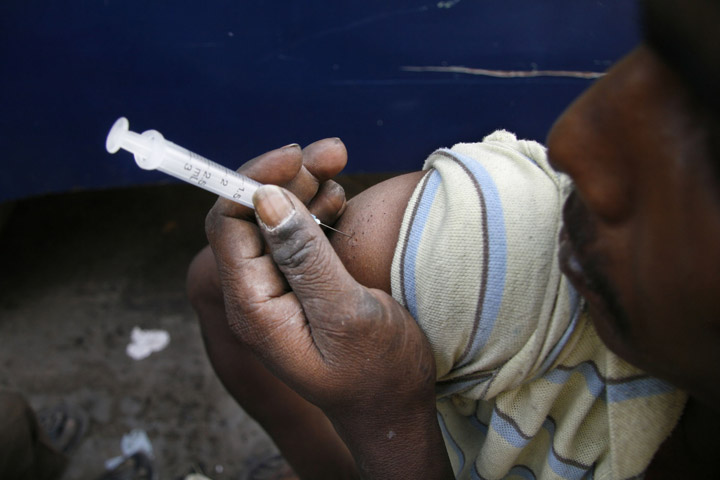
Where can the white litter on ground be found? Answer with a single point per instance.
(145, 342)
(131, 443)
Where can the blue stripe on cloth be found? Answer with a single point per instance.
(562, 467)
(414, 238)
(614, 391)
(481, 427)
(475, 422)
(497, 251)
(451, 441)
(522, 472)
(642, 387)
(474, 475)
(508, 430)
(595, 384)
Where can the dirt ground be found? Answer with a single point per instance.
(77, 273)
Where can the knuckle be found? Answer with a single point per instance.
(330, 202)
(301, 257)
(304, 185)
(335, 189)
(240, 313)
(368, 306)
(294, 246)
(335, 196)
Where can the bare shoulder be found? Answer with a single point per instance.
(373, 218)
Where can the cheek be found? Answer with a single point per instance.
(678, 270)
(672, 284)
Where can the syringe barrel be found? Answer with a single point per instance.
(197, 170)
(152, 151)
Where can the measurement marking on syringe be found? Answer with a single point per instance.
(199, 175)
(240, 189)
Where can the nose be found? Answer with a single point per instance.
(603, 137)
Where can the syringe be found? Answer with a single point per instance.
(153, 152)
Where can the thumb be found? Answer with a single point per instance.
(304, 255)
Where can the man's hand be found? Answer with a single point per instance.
(352, 351)
(307, 172)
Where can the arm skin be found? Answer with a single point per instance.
(373, 218)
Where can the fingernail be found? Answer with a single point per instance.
(272, 206)
(290, 146)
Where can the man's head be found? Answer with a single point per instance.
(642, 230)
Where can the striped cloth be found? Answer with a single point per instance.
(526, 389)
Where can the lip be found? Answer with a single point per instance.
(574, 216)
(578, 260)
(608, 321)
(571, 266)
(569, 263)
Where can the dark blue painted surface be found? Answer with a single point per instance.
(232, 79)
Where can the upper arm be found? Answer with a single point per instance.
(373, 219)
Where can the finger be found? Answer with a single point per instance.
(232, 240)
(322, 160)
(329, 203)
(325, 158)
(304, 185)
(249, 278)
(276, 166)
(304, 256)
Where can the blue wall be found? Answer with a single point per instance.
(232, 79)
